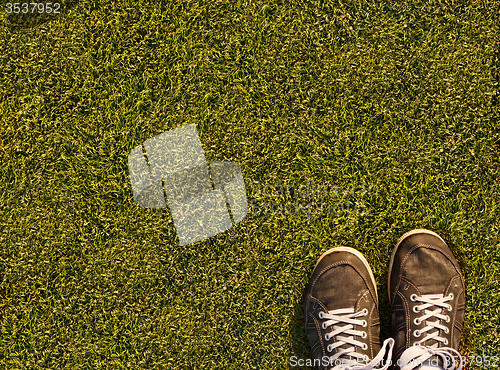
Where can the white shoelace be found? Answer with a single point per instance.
(350, 318)
(429, 300)
(416, 355)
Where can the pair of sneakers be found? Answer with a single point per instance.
(427, 295)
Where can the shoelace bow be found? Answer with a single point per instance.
(349, 317)
(416, 355)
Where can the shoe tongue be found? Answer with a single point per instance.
(340, 287)
(431, 343)
(430, 270)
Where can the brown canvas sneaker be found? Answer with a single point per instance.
(341, 313)
(427, 294)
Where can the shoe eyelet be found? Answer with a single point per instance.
(417, 333)
(364, 324)
(447, 319)
(365, 311)
(364, 335)
(327, 337)
(365, 346)
(445, 342)
(320, 314)
(413, 297)
(447, 331)
(415, 309)
(417, 321)
(449, 307)
(329, 348)
(323, 325)
(450, 295)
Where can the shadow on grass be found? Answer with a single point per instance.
(21, 21)
(466, 340)
(495, 72)
(300, 346)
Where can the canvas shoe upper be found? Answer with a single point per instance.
(341, 313)
(427, 294)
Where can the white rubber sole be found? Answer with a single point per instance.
(357, 254)
(404, 236)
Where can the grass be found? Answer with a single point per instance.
(402, 97)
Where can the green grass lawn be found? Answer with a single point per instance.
(399, 97)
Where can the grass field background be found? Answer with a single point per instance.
(402, 97)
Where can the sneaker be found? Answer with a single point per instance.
(427, 294)
(341, 313)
